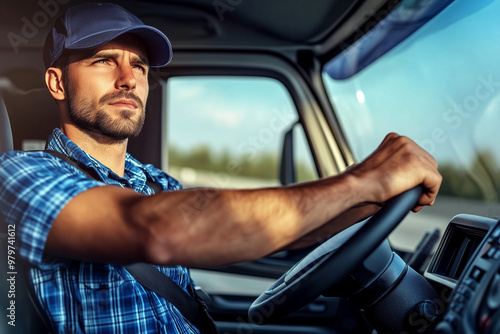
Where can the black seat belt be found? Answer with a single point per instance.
(192, 307)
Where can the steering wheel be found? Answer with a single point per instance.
(330, 262)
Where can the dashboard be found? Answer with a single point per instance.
(467, 262)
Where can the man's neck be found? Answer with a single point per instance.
(109, 152)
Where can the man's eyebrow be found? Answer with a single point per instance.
(114, 55)
(101, 54)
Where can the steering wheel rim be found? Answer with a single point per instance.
(282, 297)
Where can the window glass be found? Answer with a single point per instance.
(227, 132)
(440, 87)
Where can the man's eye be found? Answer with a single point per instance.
(140, 68)
(101, 61)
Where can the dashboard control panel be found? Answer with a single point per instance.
(471, 245)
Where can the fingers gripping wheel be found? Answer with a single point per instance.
(328, 264)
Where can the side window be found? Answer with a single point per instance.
(227, 132)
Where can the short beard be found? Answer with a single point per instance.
(94, 119)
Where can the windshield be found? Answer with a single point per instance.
(440, 87)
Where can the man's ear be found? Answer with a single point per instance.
(54, 82)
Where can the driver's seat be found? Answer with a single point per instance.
(27, 319)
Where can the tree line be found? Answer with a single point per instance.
(264, 165)
(479, 179)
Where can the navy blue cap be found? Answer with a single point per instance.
(91, 25)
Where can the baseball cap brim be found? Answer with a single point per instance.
(158, 47)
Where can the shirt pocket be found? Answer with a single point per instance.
(99, 289)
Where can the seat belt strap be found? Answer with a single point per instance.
(191, 307)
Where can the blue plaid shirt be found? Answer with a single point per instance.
(81, 297)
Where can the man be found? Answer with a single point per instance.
(76, 231)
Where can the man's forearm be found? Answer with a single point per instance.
(238, 225)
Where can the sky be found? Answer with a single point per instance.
(204, 106)
(235, 114)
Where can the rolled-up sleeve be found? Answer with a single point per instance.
(34, 188)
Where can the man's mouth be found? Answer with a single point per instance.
(124, 103)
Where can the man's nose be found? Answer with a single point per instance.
(126, 78)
